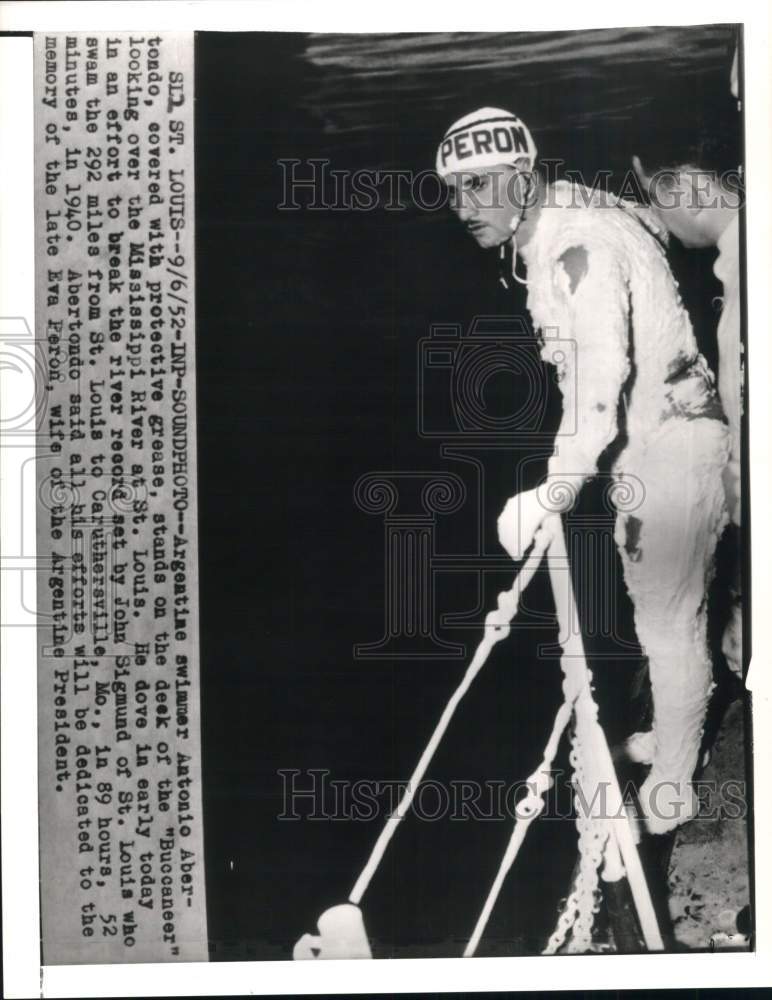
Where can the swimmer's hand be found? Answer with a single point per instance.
(519, 522)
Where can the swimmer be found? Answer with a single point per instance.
(597, 275)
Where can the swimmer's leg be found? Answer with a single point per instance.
(667, 547)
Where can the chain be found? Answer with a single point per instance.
(578, 913)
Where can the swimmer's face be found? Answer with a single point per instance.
(486, 200)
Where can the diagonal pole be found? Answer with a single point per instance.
(531, 806)
(496, 628)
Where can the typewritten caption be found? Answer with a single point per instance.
(122, 867)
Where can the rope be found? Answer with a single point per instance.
(526, 811)
(496, 628)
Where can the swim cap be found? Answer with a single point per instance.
(485, 138)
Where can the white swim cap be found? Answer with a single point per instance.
(485, 138)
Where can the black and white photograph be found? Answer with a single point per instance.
(393, 474)
(473, 305)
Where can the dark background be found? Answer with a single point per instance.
(308, 328)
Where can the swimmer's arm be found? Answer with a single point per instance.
(595, 306)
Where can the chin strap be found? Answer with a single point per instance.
(505, 268)
(505, 271)
(520, 281)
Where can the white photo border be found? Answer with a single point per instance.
(22, 972)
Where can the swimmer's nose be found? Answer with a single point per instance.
(465, 209)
